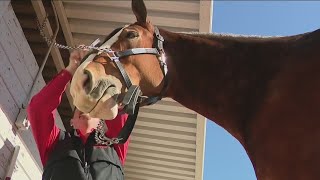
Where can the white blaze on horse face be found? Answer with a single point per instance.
(104, 108)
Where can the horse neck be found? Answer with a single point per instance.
(225, 80)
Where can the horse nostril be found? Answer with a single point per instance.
(87, 85)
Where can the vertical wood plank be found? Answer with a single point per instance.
(10, 79)
(21, 41)
(15, 57)
(3, 6)
(7, 103)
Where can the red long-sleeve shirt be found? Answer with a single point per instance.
(41, 112)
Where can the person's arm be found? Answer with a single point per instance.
(114, 127)
(41, 109)
(41, 112)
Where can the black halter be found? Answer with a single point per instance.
(134, 94)
(134, 97)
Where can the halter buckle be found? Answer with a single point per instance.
(131, 99)
(112, 55)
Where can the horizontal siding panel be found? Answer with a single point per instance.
(152, 174)
(86, 39)
(172, 131)
(177, 7)
(133, 176)
(164, 169)
(97, 28)
(102, 28)
(155, 170)
(164, 142)
(174, 148)
(168, 108)
(160, 164)
(155, 155)
(163, 126)
(147, 132)
(164, 149)
(157, 137)
(178, 119)
(171, 153)
(167, 122)
(159, 161)
(128, 18)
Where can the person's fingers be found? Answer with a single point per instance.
(83, 53)
(76, 55)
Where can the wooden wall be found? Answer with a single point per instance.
(18, 69)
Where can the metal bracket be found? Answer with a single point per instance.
(22, 122)
(12, 164)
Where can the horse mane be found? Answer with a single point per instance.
(230, 36)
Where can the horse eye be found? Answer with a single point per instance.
(132, 34)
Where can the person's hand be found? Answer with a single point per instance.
(75, 59)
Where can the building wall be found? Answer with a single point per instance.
(18, 69)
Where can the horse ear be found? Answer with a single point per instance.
(140, 11)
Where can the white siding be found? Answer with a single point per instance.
(18, 69)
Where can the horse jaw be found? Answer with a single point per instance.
(104, 107)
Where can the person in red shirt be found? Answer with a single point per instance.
(74, 155)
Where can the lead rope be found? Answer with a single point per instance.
(100, 135)
(61, 46)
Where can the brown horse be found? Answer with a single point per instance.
(263, 91)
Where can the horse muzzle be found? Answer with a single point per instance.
(94, 92)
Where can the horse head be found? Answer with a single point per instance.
(130, 65)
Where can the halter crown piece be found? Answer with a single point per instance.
(133, 97)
